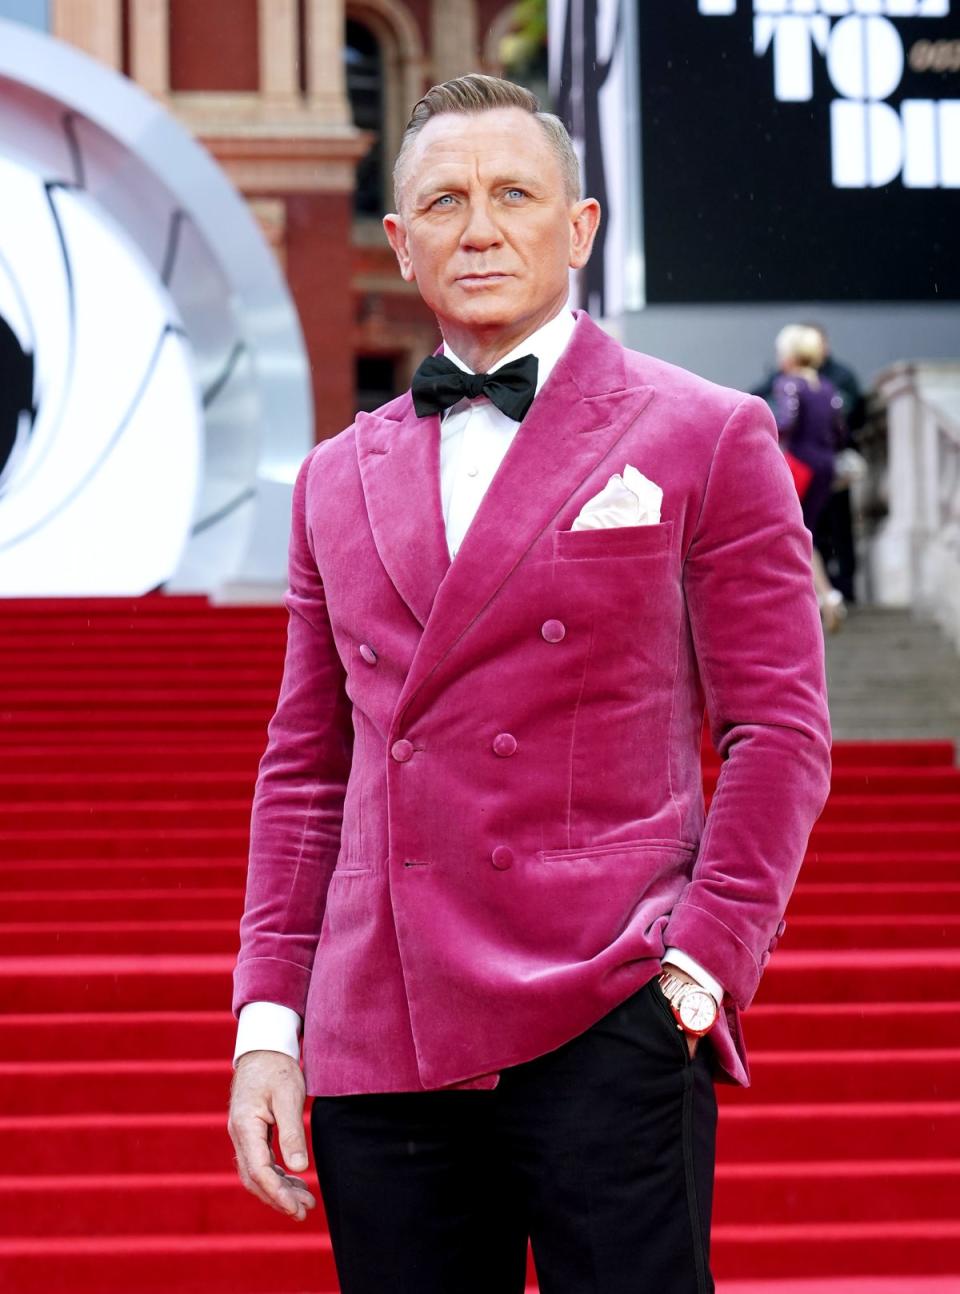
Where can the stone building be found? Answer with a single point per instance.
(302, 102)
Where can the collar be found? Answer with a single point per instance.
(548, 343)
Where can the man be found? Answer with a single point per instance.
(478, 834)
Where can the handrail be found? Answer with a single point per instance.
(908, 370)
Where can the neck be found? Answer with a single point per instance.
(480, 348)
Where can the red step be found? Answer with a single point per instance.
(877, 808)
(886, 867)
(204, 718)
(128, 904)
(845, 975)
(834, 899)
(118, 937)
(113, 873)
(182, 696)
(150, 1202)
(889, 930)
(118, 1035)
(872, 1025)
(158, 757)
(124, 815)
(259, 1260)
(130, 786)
(786, 1133)
(196, 982)
(93, 843)
(912, 838)
(894, 1190)
(834, 1249)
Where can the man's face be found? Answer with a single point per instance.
(487, 230)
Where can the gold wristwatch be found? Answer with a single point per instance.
(694, 1008)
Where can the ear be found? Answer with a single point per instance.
(396, 232)
(584, 223)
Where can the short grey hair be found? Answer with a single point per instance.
(478, 93)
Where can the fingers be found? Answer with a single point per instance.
(288, 1112)
(267, 1087)
(263, 1176)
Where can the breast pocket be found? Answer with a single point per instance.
(613, 541)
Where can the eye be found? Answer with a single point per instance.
(515, 194)
(445, 200)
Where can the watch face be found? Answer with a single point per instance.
(698, 1011)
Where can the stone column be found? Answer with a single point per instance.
(91, 25)
(279, 51)
(454, 39)
(326, 77)
(150, 45)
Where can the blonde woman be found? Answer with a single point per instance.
(809, 416)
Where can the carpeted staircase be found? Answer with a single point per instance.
(130, 733)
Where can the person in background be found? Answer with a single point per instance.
(809, 413)
(833, 536)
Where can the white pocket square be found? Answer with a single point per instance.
(629, 499)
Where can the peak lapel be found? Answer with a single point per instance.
(399, 464)
(572, 425)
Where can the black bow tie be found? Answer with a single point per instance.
(438, 384)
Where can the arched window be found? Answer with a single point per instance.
(364, 60)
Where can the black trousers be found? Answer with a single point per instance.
(834, 539)
(601, 1152)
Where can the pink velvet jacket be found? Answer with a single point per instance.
(479, 818)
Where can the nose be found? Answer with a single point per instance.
(480, 232)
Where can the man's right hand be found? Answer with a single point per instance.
(268, 1091)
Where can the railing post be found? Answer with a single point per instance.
(892, 549)
(915, 556)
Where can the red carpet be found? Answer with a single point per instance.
(129, 739)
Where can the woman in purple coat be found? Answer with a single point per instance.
(809, 413)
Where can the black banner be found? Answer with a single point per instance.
(800, 155)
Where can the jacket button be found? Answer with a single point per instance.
(502, 857)
(504, 744)
(401, 750)
(780, 928)
(368, 654)
(553, 631)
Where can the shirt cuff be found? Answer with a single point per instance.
(686, 963)
(268, 1026)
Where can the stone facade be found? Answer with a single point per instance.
(263, 85)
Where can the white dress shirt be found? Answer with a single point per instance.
(474, 436)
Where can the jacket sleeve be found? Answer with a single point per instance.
(297, 811)
(759, 647)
